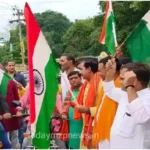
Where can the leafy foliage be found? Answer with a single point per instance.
(54, 26)
(4, 53)
(81, 37)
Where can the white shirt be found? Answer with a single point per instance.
(130, 131)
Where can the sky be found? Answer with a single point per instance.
(73, 9)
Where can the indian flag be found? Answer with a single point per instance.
(138, 42)
(108, 34)
(4, 80)
(43, 71)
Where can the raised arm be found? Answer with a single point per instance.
(112, 92)
(139, 106)
(109, 87)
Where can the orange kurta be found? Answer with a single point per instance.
(104, 120)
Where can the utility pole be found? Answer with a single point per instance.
(11, 49)
(19, 13)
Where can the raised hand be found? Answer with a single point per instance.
(130, 78)
(118, 51)
(110, 69)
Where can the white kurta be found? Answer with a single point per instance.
(131, 126)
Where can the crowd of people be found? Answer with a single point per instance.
(105, 103)
(101, 103)
(12, 128)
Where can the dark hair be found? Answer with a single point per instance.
(82, 59)
(74, 73)
(79, 61)
(70, 57)
(125, 60)
(141, 70)
(105, 60)
(6, 63)
(91, 63)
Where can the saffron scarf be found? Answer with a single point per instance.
(90, 101)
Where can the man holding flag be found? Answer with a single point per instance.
(131, 126)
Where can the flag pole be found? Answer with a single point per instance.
(113, 26)
(126, 38)
(115, 37)
(114, 31)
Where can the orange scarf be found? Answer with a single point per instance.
(89, 102)
(102, 126)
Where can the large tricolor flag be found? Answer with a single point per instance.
(43, 71)
(108, 34)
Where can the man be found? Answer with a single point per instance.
(3, 138)
(75, 126)
(12, 125)
(21, 84)
(86, 101)
(131, 126)
(10, 69)
(67, 63)
(106, 108)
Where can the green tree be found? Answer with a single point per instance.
(4, 53)
(76, 40)
(15, 41)
(54, 25)
(81, 37)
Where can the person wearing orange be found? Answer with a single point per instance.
(86, 100)
(106, 108)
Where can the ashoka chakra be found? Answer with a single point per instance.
(38, 83)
